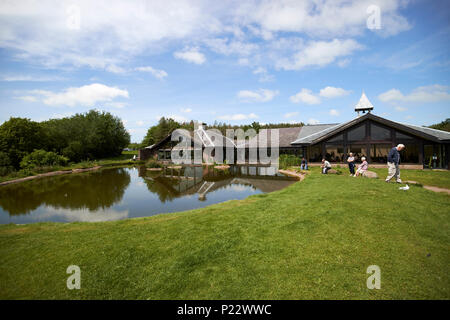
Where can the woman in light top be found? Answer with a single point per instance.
(362, 168)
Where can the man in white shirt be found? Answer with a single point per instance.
(325, 166)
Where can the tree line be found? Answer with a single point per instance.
(165, 127)
(87, 136)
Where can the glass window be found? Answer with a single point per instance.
(357, 134)
(357, 150)
(410, 154)
(315, 153)
(334, 153)
(379, 152)
(428, 156)
(379, 133)
(339, 137)
(400, 136)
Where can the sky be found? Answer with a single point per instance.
(226, 61)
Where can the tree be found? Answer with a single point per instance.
(19, 136)
(444, 125)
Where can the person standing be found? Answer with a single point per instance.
(351, 164)
(393, 161)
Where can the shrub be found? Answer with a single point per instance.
(288, 160)
(42, 158)
(153, 164)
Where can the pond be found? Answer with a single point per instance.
(121, 193)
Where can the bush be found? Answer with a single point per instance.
(42, 158)
(153, 164)
(288, 160)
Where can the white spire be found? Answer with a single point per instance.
(363, 104)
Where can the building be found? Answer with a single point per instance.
(367, 135)
(373, 136)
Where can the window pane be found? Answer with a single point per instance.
(316, 153)
(339, 137)
(334, 153)
(410, 154)
(357, 134)
(358, 151)
(379, 133)
(401, 136)
(379, 152)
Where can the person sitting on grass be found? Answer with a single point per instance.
(362, 168)
(304, 164)
(325, 166)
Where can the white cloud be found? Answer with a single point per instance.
(113, 68)
(312, 121)
(334, 112)
(140, 123)
(425, 94)
(264, 76)
(228, 47)
(305, 96)
(400, 109)
(332, 92)
(261, 95)
(320, 54)
(325, 18)
(238, 116)
(186, 110)
(160, 74)
(87, 95)
(14, 78)
(192, 55)
(113, 32)
(27, 98)
(290, 114)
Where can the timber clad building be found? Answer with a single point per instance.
(367, 135)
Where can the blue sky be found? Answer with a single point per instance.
(233, 61)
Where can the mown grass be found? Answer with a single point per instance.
(312, 240)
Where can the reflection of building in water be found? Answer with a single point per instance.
(175, 182)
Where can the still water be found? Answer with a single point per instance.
(121, 193)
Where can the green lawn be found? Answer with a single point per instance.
(312, 240)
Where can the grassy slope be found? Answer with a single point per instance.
(314, 239)
(424, 177)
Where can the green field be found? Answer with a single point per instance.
(312, 240)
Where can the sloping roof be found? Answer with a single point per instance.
(439, 134)
(423, 132)
(311, 132)
(285, 136)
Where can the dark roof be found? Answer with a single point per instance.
(285, 136)
(329, 130)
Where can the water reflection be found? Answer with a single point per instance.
(92, 191)
(120, 193)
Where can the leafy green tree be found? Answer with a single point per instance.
(5, 164)
(42, 158)
(19, 136)
(444, 125)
